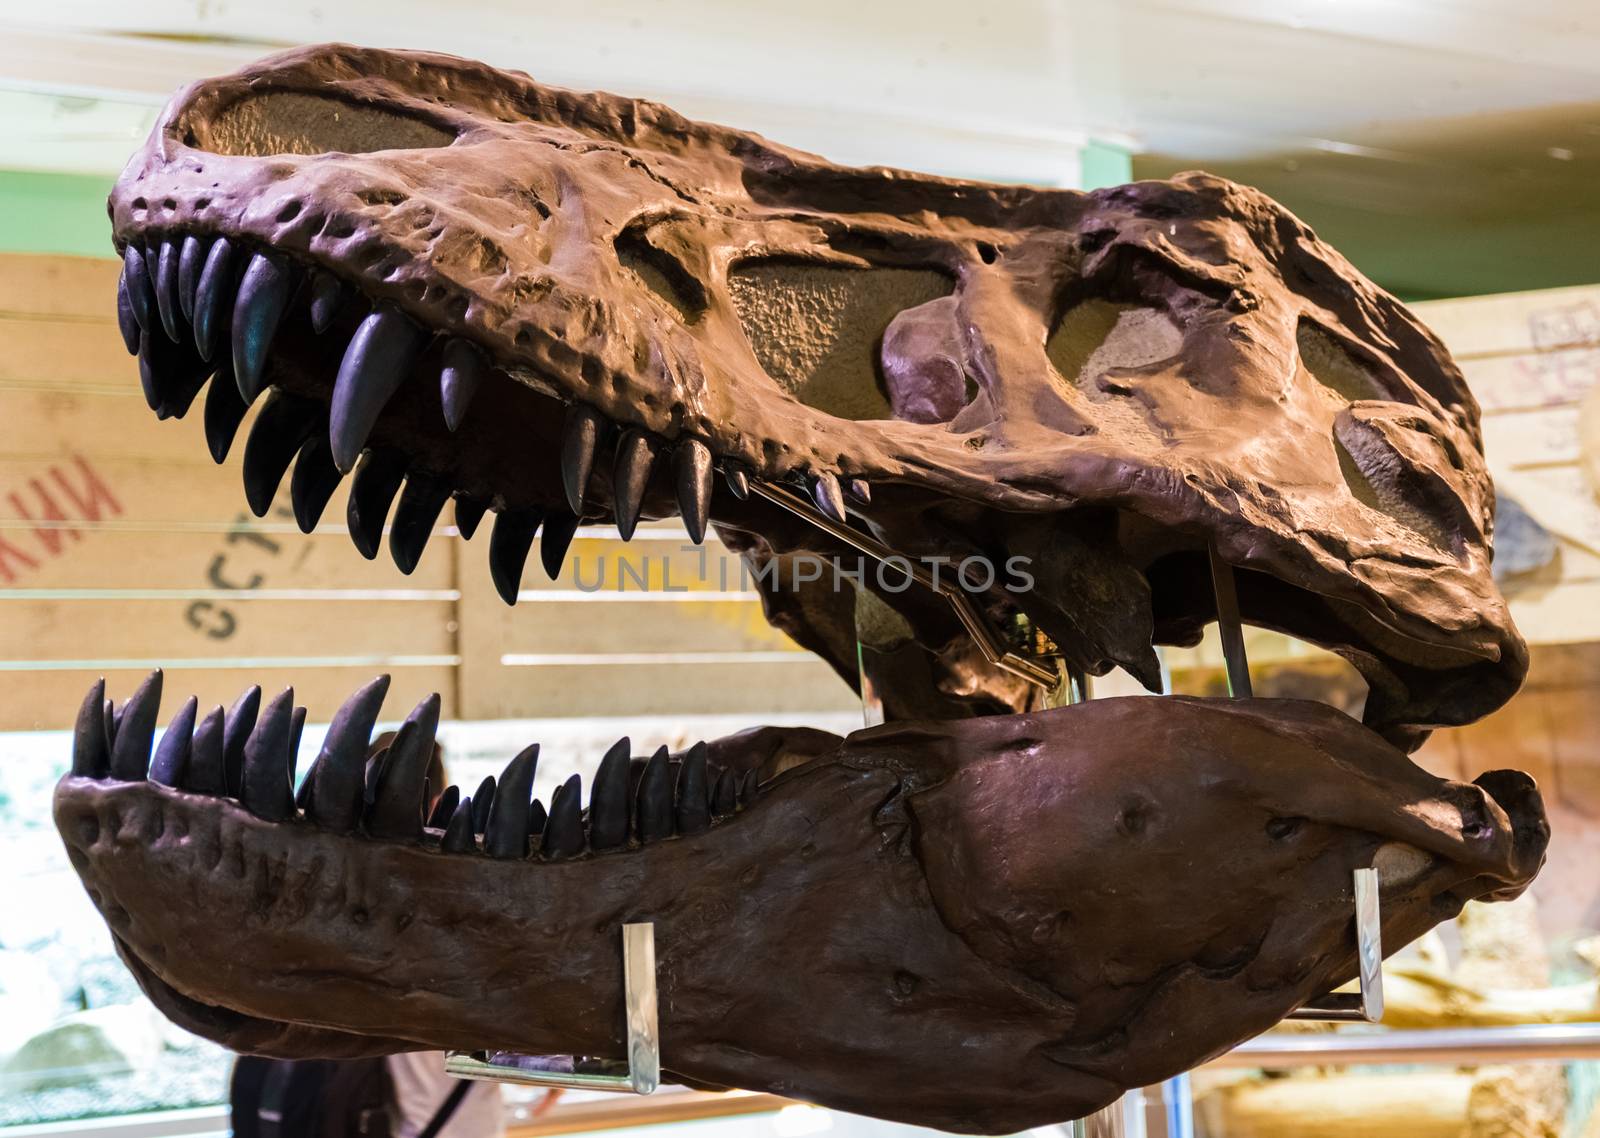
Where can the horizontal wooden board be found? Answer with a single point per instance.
(51, 285)
(1543, 320)
(48, 701)
(68, 354)
(618, 624)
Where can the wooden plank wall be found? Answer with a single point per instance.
(122, 547)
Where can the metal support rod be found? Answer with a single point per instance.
(989, 642)
(640, 1074)
(1448, 1046)
(1365, 1005)
(1228, 624)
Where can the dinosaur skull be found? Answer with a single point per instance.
(456, 279)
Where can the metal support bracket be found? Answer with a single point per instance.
(639, 1075)
(1365, 1005)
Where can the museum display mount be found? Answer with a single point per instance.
(1149, 406)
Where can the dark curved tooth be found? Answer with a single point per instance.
(224, 412)
(268, 789)
(191, 261)
(339, 773)
(113, 719)
(171, 374)
(206, 773)
(91, 757)
(655, 799)
(459, 836)
(508, 549)
(168, 306)
(372, 491)
(313, 482)
(397, 808)
(141, 287)
(506, 832)
(302, 795)
(554, 542)
(127, 322)
(420, 502)
(130, 752)
(371, 773)
(537, 818)
(264, 293)
(172, 753)
(297, 728)
(577, 452)
(636, 458)
(693, 812)
(563, 833)
(464, 368)
(376, 362)
(236, 729)
(738, 479)
(284, 424)
(608, 798)
(439, 816)
(328, 296)
(213, 297)
(826, 494)
(692, 465)
(747, 787)
(724, 798)
(482, 801)
(859, 489)
(468, 514)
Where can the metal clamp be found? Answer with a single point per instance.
(640, 1074)
(1365, 1005)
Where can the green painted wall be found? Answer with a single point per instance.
(1102, 164)
(54, 213)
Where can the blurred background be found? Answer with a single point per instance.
(1449, 148)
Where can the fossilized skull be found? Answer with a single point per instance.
(558, 305)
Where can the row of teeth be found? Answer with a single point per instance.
(180, 298)
(248, 754)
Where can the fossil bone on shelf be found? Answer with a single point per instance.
(447, 281)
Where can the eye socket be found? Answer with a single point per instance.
(1332, 365)
(291, 122)
(1281, 829)
(816, 328)
(1098, 335)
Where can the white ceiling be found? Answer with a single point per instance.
(1000, 88)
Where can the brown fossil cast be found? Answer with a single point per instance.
(457, 283)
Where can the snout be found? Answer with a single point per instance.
(1512, 799)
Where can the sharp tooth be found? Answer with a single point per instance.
(224, 412)
(747, 787)
(328, 296)
(738, 480)
(655, 799)
(859, 489)
(439, 817)
(371, 773)
(693, 468)
(468, 514)
(693, 808)
(377, 361)
(397, 808)
(636, 457)
(608, 798)
(463, 370)
(172, 753)
(141, 287)
(372, 490)
(458, 832)
(127, 322)
(171, 374)
(537, 819)
(206, 773)
(297, 727)
(91, 758)
(268, 789)
(285, 422)
(563, 833)
(167, 303)
(826, 494)
(577, 452)
(213, 297)
(554, 542)
(481, 802)
(130, 752)
(113, 717)
(191, 262)
(313, 482)
(420, 502)
(339, 773)
(302, 796)
(257, 311)
(724, 799)
(506, 833)
(236, 729)
(508, 550)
